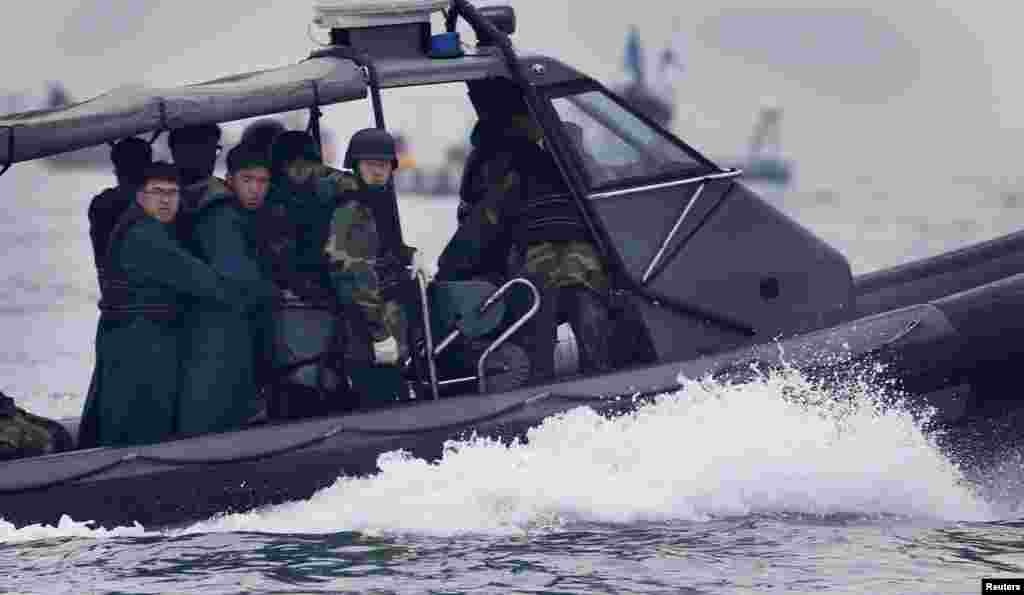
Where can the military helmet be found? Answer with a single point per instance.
(262, 133)
(371, 143)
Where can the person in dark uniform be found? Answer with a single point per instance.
(524, 220)
(130, 157)
(360, 235)
(348, 250)
(224, 343)
(343, 225)
(132, 399)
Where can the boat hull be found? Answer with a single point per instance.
(935, 350)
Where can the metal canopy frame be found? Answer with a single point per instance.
(10, 150)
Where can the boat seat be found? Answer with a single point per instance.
(463, 334)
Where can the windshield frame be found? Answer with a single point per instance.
(702, 165)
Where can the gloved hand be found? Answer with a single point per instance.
(386, 351)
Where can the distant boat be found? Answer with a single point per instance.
(651, 88)
(765, 163)
(651, 91)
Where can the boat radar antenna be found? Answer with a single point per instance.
(358, 27)
(361, 29)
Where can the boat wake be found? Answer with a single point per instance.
(774, 445)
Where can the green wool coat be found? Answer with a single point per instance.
(224, 344)
(136, 382)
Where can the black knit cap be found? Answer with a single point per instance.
(262, 132)
(161, 170)
(200, 133)
(291, 145)
(247, 156)
(131, 154)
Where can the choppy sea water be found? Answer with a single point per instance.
(716, 489)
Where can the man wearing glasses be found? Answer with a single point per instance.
(136, 384)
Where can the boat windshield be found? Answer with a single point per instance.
(616, 147)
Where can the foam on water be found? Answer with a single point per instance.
(707, 451)
(66, 527)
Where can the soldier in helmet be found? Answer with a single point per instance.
(345, 229)
(364, 235)
(523, 220)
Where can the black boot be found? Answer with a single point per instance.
(588, 317)
(538, 337)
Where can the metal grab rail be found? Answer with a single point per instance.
(480, 371)
(730, 173)
(455, 333)
(421, 282)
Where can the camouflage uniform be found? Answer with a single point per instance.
(25, 435)
(352, 250)
(565, 264)
(526, 212)
(349, 243)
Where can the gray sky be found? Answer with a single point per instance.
(909, 88)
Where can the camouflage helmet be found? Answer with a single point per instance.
(371, 143)
(262, 133)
